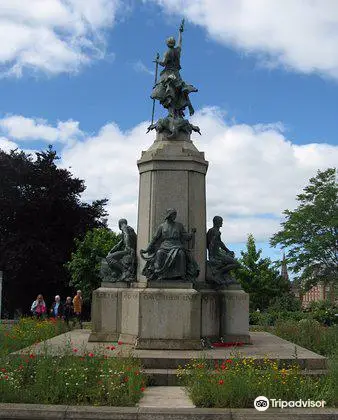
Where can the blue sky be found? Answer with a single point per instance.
(78, 74)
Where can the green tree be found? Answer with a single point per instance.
(84, 265)
(310, 232)
(259, 278)
(40, 216)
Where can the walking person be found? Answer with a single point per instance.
(68, 311)
(77, 303)
(39, 308)
(56, 311)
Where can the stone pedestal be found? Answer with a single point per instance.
(172, 175)
(234, 326)
(106, 312)
(210, 314)
(161, 318)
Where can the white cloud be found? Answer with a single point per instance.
(22, 128)
(7, 145)
(140, 67)
(254, 173)
(53, 36)
(299, 35)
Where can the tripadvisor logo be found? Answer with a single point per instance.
(262, 403)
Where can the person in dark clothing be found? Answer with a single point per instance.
(68, 311)
(56, 311)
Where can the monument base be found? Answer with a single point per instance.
(161, 318)
(163, 344)
(106, 312)
(169, 318)
(234, 326)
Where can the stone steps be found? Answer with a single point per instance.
(165, 397)
(168, 377)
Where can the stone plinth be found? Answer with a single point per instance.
(172, 175)
(234, 306)
(106, 313)
(161, 318)
(210, 313)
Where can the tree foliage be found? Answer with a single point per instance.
(259, 278)
(40, 216)
(84, 265)
(310, 232)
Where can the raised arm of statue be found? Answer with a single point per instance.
(179, 41)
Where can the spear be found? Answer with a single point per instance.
(156, 71)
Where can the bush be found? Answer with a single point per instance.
(310, 334)
(270, 317)
(324, 312)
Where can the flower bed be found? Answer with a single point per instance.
(92, 379)
(237, 382)
(27, 332)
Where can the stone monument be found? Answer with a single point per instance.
(161, 292)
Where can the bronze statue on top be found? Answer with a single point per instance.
(120, 263)
(172, 92)
(168, 259)
(221, 259)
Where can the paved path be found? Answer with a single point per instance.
(263, 345)
(165, 397)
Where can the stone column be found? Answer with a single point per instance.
(172, 175)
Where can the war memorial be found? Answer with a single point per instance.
(168, 292)
(170, 286)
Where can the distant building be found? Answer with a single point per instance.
(284, 270)
(320, 291)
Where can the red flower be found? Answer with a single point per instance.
(75, 350)
(3, 370)
(31, 356)
(228, 361)
(142, 389)
(221, 382)
(126, 379)
(119, 343)
(91, 354)
(137, 373)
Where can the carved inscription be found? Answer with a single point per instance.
(236, 297)
(107, 295)
(169, 297)
(130, 296)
